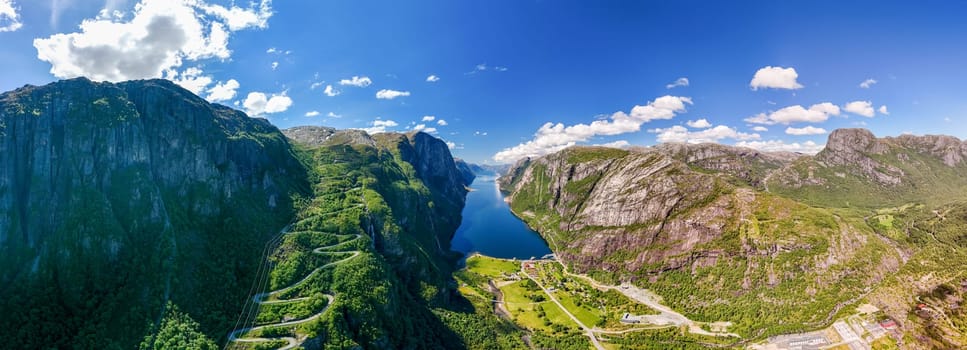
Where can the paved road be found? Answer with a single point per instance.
(261, 298)
(587, 330)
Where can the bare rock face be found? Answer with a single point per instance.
(749, 165)
(635, 202)
(311, 136)
(854, 148)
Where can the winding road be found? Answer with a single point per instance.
(273, 297)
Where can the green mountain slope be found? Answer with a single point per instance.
(775, 243)
(118, 198)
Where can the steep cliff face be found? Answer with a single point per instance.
(466, 170)
(109, 191)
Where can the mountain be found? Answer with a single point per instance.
(773, 242)
(137, 214)
(116, 199)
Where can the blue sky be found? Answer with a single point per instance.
(505, 68)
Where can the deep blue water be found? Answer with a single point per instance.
(489, 227)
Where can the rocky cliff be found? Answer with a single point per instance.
(117, 197)
(858, 169)
(724, 233)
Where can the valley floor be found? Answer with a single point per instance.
(542, 297)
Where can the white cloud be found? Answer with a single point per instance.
(807, 147)
(223, 91)
(330, 91)
(698, 124)
(385, 123)
(478, 133)
(678, 82)
(9, 18)
(257, 103)
(796, 114)
(275, 65)
(380, 126)
(334, 115)
(760, 128)
(552, 137)
(863, 108)
(271, 50)
(867, 83)
(883, 110)
(191, 79)
(679, 133)
(432, 78)
(423, 128)
(316, 85)
(808, 130)
(387, 94)
(428, 118)
(442, 122)
(615, 144)
(161, 35)
(776, 78)
(311, 114)
(451, 144)
(357, 81)
(238, 18)
(500, 69)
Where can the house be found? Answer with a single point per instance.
(888, 324)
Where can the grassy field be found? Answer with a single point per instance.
(491, 267)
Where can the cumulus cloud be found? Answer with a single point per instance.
(760, 128)
(357, 81)
(330, 91)
(191, 79)
(387, 94)
(428, 118)
(679, 133)
(160, 36)
(552, 137)
(316, 85)
(678, 82)
(796, 114)
(311, 114)
(258, 103)
(379, 126)
(863, 108)
(442, 122)
(808, 130)
(432, 78)
(867, 83)
(883, 110)
(807, 147)
(275, 65)
(223, 91)
(615, 144)
(698, 124)
(9, 18)
(423, 128)
(776, 78)
(334, 115)
(451, 144)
